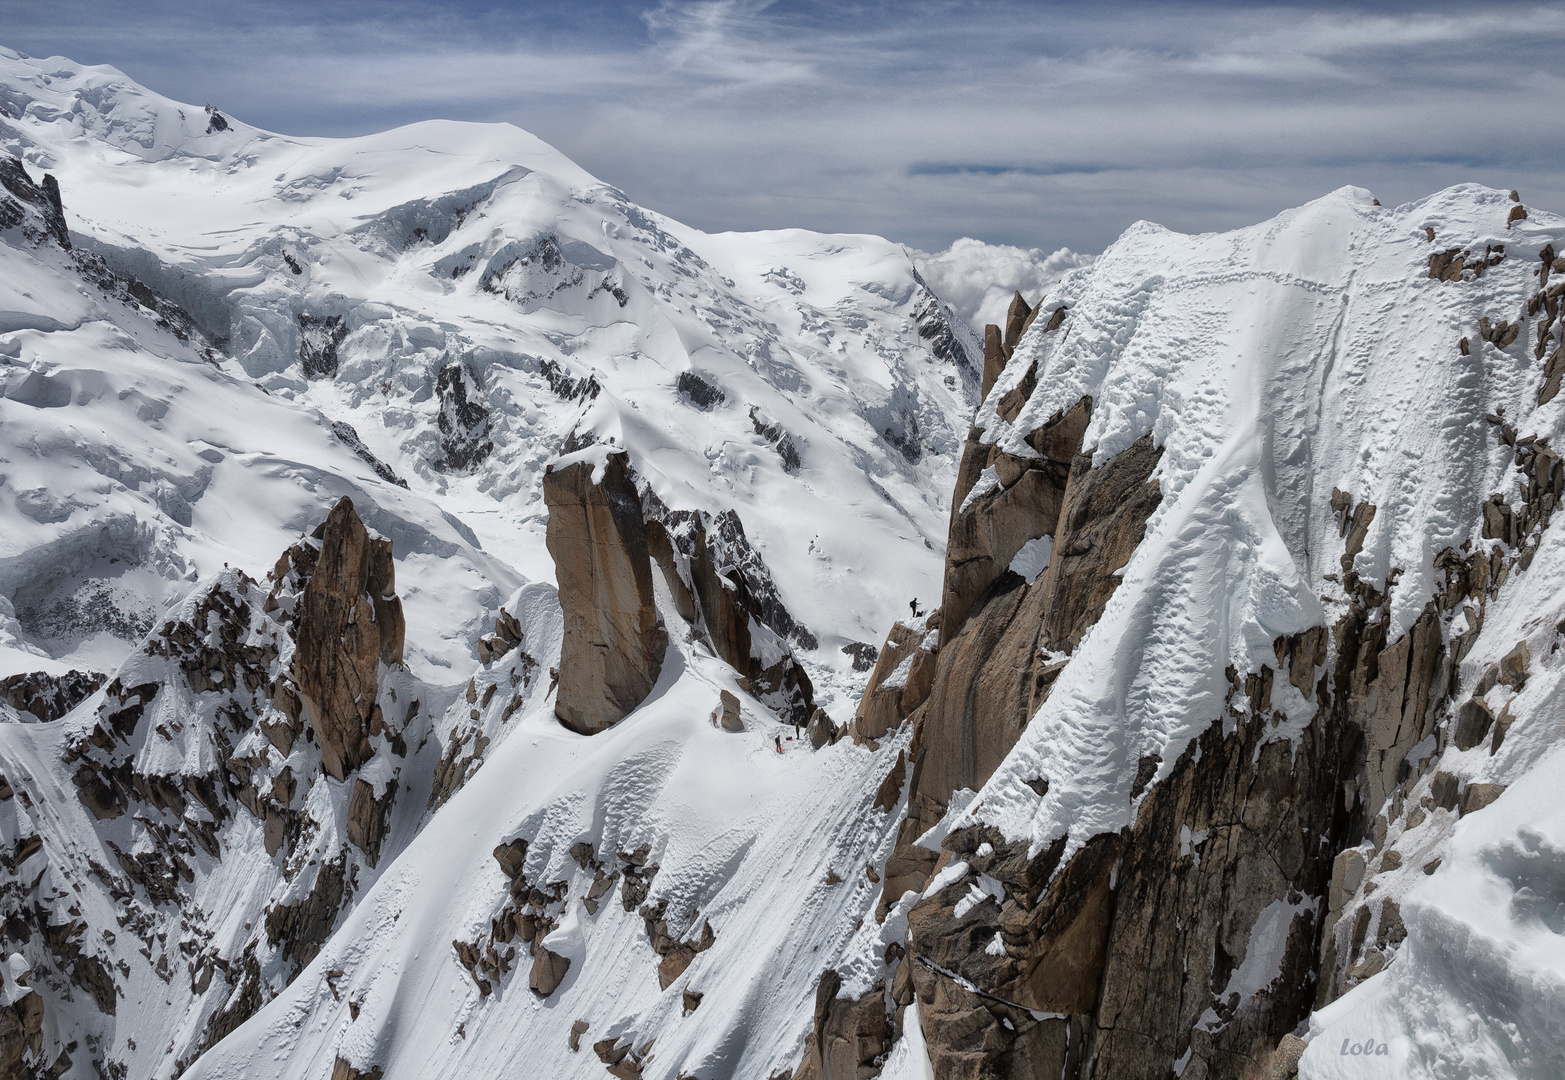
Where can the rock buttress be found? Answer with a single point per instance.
(1019, 500)
(614, 642)
(1101, 523)
(850, 1038)
(994, 672)
(900, 681)
(350, 621)
(1227, 855)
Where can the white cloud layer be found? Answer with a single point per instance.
(1022, 123)
(979, 279)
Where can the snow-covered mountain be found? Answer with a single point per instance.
(212, 334)
(465, 299)
(348, 484)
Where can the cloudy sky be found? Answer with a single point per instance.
(1038, 124)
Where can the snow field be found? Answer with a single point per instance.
(743, 837)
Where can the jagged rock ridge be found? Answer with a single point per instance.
(1197, 932)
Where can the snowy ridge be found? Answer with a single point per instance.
(1272, 365)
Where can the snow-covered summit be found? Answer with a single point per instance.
(467, 299)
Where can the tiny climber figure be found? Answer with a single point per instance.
(779, 744)
(913, 605)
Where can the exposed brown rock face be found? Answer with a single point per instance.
(44, 197)
(529, 915)
(302, 928)
(900, 681)
(1396, 695)
(848, 1035)
(992, 675)
(1550, 328)
(1235, 831)
(368, 816)
(715, 596)
(821, 730)
(994, 358)
(1000, 345)
(1188, 901)
(674, 954)
(1102, 522)
(21, 1033)
(730, 718)
(1017, 319)
(343, 1069)
(992, 669)
(49, 697)
(614, 641)
(1051, 963)
(349, 622)
(1021, 501)
(1452, 264)
(547, 972)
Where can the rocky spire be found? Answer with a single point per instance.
(614, 641)
(350, 622)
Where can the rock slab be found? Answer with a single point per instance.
(614, 640)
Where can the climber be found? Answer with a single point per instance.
(779, 744)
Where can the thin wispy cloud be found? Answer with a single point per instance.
(1037, 124)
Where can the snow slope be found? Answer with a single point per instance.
(768, 850)
(134, 463)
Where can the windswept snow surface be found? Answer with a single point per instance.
(1272, 364)
(466, 298)
(1478, 987)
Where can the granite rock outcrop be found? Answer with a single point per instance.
(348, 623)
(614, 640)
